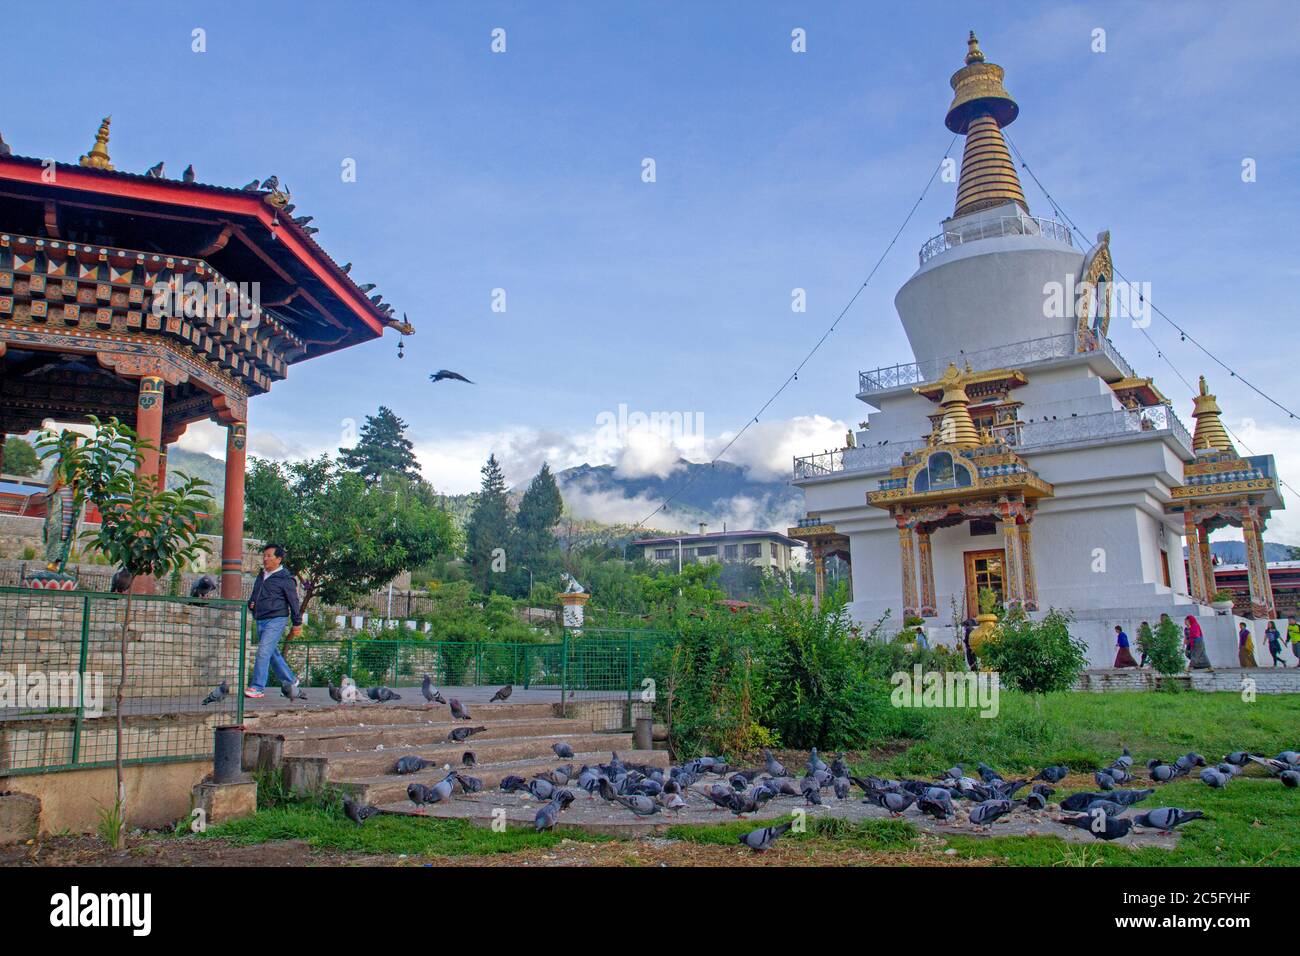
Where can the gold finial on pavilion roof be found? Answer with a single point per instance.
(973, 52)
(956, 427)
(98, 155)
(1210, 433)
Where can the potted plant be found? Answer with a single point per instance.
(1222, 602)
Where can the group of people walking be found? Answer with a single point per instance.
(1194, 644)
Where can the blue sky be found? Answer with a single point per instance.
(775, 170)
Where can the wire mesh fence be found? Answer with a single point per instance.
(61, 662)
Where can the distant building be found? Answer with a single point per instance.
(1283, 577)
(763, 549)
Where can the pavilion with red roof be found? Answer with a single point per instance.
(107, 306)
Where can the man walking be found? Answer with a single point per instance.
(274, 602)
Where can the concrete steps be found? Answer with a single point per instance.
(355, 747)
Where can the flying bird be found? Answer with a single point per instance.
(443, 373)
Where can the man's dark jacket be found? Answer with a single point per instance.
(275, 595)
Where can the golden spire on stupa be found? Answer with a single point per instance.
(981, 106)
(98, 155)
(1210, 433)
(956, 427)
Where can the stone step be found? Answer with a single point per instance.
(388, 789)
(294, 742)
(366, 762)
(398, 712)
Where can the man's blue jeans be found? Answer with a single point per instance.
(269, 632)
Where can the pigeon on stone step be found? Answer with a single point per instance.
(1102, 826)
(336, 695)
(429, 692)
(442, 790)
(503, 694)
(1108, 806)
(412, 764)
(512, 782)
(419, 794)
(541, 789)
(1167, 818)
(841, 786)
(838, 767)
(1077, 801)
(358, 813)
(774, 766)
(815, 762)
(218, 694)
(548, 814)
(895, 801)
(983, 814)
(811, 790)
(562, 750)
(291, 690)
(469, 784)
(383, 694)
(458, 710)
(461, 734)
(642, 806)
(763, 838)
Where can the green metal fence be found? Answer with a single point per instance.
(61, 662)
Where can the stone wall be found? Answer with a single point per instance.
(1264, 680)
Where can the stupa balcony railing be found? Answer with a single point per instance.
(1013, 355)
(993, 229)
(1024, 437)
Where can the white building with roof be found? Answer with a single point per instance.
(1020, 452)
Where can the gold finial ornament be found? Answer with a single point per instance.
(956, 427)
(98, 155)
(980, 107)
(1210, 433)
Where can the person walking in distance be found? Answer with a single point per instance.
(274, 603)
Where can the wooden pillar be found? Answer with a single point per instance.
(232, 518)
(1207, 563)
(1027, 563)
(1012, 585)
(148, 426)
(927, 573)
(907, 564)
(1261, 592)
(1195, 577)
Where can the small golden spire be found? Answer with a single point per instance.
(980, 107)
(973, 53)
(98, 155)
(1210, 433)
(956, 427)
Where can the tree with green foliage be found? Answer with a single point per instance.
(20, 458)
(382, 450)
(1037, 657)
(489, 532)
(148, 532)
(343, 536)
(535, 548)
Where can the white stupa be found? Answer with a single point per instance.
(1020, 453)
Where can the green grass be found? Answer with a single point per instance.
(863, 834)
(329, 829)
(1086, 731)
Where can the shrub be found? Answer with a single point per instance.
(1163, 647)
(1037, 657)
